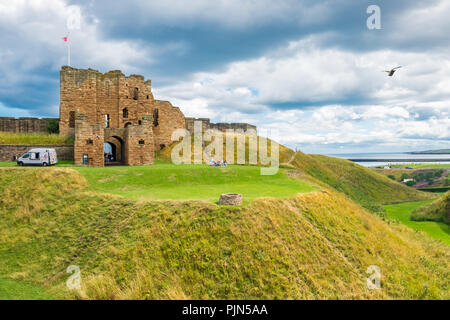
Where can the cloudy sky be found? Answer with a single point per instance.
(307, 71)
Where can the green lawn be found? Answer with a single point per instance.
(198, 182)
(402, 213)
(18, 290)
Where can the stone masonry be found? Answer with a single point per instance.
(24, 125)
(206, 124)
(123, 108)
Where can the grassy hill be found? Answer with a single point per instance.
(363, 185)
(314, 245)
(438, 211)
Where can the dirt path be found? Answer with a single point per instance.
(292, 158)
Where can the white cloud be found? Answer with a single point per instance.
(332, 95)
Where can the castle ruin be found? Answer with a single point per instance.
(101, 109)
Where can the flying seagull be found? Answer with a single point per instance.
(392, 71)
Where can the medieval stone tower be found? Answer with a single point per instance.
(99, 108)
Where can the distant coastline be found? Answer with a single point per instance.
(441, 151)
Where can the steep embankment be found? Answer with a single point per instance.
(316, 245)
(437, 211)
(360, 184)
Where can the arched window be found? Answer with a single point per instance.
(125, 112)
(136, 93)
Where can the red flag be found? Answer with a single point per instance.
(65, 39)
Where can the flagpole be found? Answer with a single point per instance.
(68, 53)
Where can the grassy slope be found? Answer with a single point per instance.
(33, 138)
(17, 290)
(360, 184)
(198, 182)
(316, 245)
(402, 212)
(437, 211)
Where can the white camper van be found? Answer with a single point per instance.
(41, 157)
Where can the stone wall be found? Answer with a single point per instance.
(134, 144)
(24, 125)
(89, 139)
(7, 151)
(206, 124)
(166, 120)
(139, 144)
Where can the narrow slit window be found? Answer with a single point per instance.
(107, 120)
(155, 117)
(72, 119)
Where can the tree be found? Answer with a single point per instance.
(404, 176)
(53, 126)
(438, 173)
(410, 183)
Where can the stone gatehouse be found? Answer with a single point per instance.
(116, 110)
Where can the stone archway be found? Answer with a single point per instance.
(116, 146)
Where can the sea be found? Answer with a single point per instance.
(379, 159)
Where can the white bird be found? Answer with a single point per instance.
(392, 71)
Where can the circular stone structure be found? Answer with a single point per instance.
(230, 199)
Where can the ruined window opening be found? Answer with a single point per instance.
(127, 124)
(107, 120)
(155, 117)
(148, 97)
(89, 141)
(136, 93)
(72, 119)
(140, 122)
(125, 112)
(162, 146)
(141, 141)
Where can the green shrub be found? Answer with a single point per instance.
(53, 126)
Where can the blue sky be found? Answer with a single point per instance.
(309, 72)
